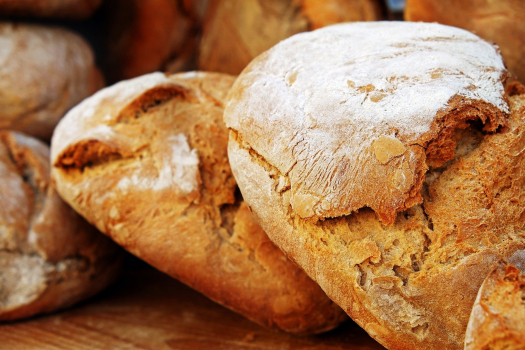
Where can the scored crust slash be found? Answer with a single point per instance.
(146, 161)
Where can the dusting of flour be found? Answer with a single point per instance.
(321, 99)
(179, 169)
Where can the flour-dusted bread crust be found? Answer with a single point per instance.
(63, 9)
(354, 114)
(502, 22)
(327, 124)
(497, 321)
(146, 161)
(147, 36)
(44, 71)
(236, 31)
(50, 257)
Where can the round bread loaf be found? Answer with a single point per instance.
(146, 36)
(381, 158)
(146, 161)
(236, 31)
(64, 9)
(502, 22)
(44, 72)
(497, 321)
(50, 257)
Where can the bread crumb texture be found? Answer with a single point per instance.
(400, 207)
(145, 160)
(50, 257)
(497, 321)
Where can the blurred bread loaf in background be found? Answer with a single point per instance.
(147, 36)
(59, 9)
(50, 257)
(44, 71)
(236, 31)
(502, 22)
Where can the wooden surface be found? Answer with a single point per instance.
(145, 309)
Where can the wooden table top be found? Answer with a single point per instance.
(146, 309)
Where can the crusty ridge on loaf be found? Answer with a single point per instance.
(146, 161)
(50, 257)
(411, 284)
(497, 321)
(357, 123)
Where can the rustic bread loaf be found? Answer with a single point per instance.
(502, 22)
(146, 36)
(146, 162)
(236, 31)
(497, 321)
(64, 9)
(381, 158)
(50, 257)
(43, 73)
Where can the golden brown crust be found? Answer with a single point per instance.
(236, 31)
(502, 22)
(147, 36)
(50, 258)
(497, 321)
(145, 160)
(44, 71)
(64, 9)
(412, 284)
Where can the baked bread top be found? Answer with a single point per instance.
(354, 114)
(44, 71)
(497, 321)
(146, 161)
(49, 256)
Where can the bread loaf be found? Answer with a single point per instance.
(382, 158)
(44, 71)
(50, 258)
(145, 161)
(236, 31)
(63, 9)
(502, 22)
(497, 321)
(146, 36)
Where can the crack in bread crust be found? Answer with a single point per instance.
(401, 282)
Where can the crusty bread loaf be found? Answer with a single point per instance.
(236, 31)
(43, 73)
(146, 36)
(382, 159)
(64, 9)
(50, 257)
(502, 22)
(146, 162)
(497, 321)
